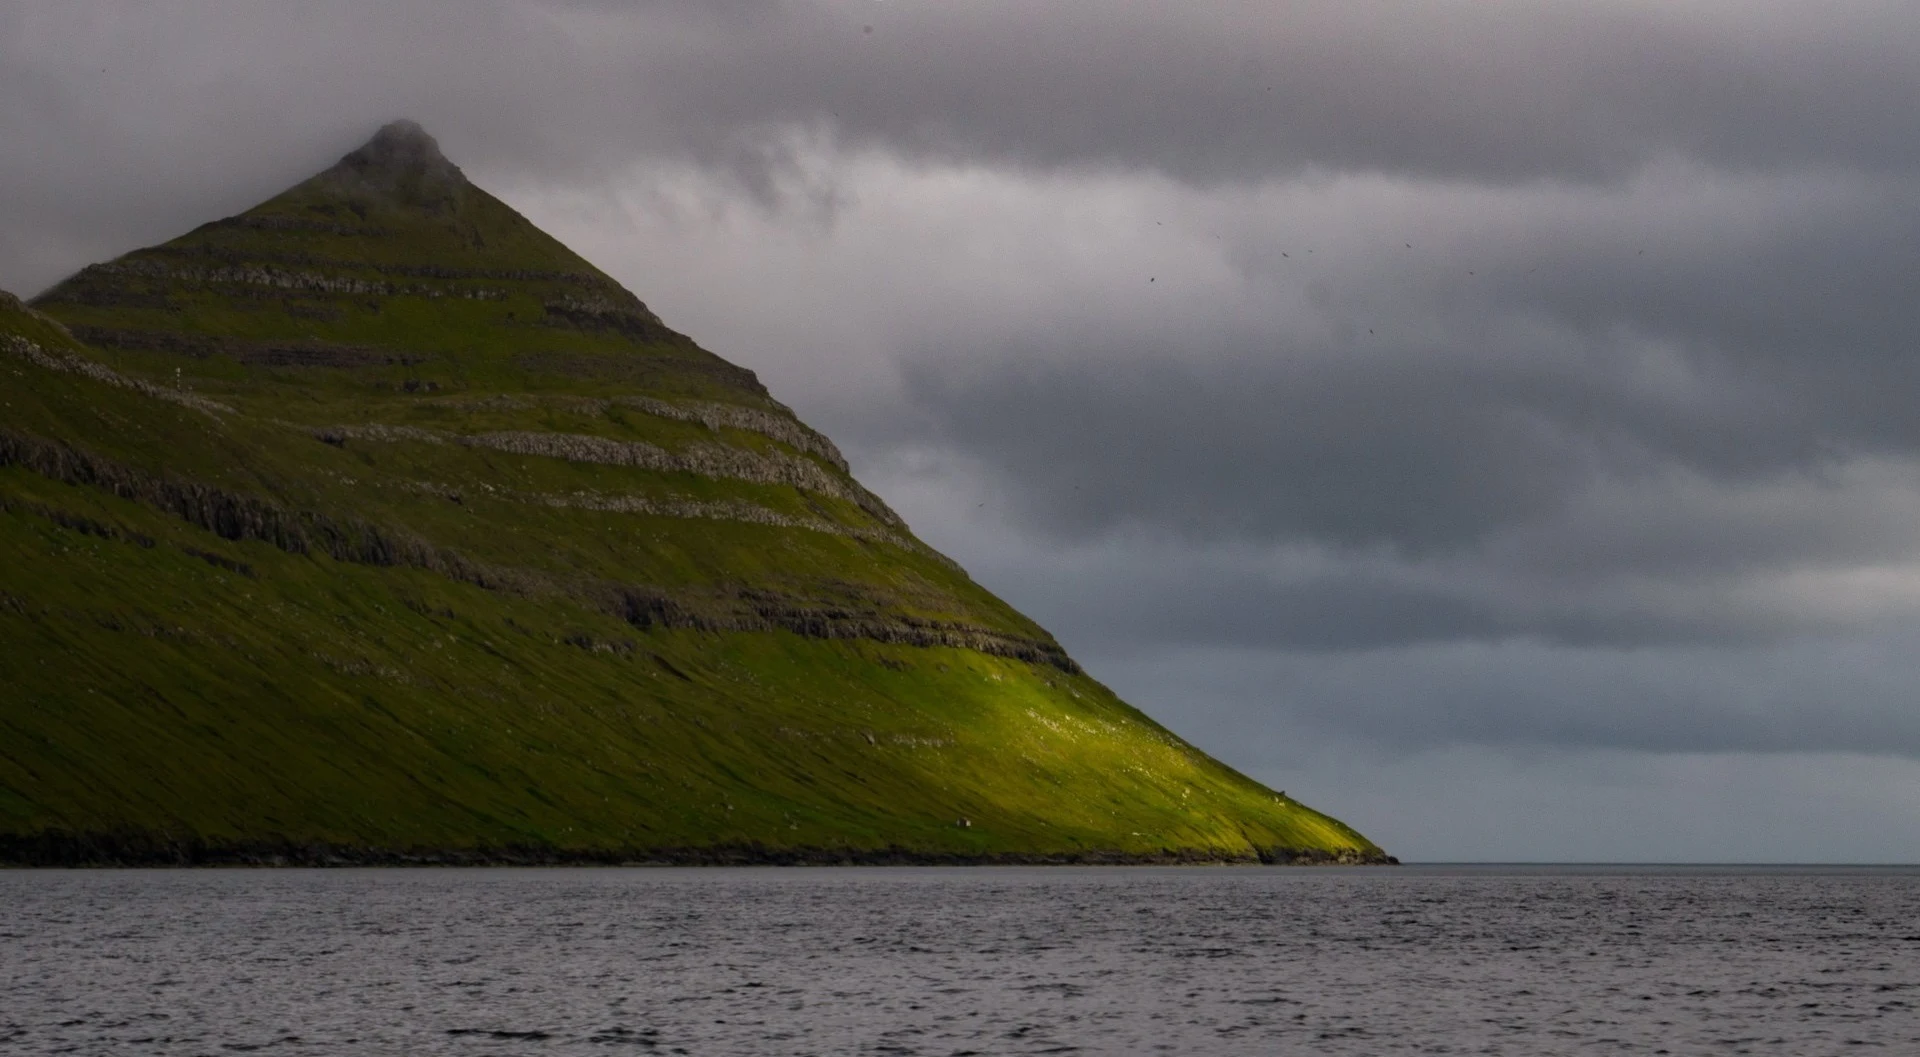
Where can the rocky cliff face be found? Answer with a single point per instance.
(376, 521)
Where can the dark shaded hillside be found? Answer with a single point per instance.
(374, 523)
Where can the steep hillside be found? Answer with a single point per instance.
(375, 523)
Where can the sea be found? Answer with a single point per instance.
(1521, 960)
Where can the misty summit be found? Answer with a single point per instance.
(373, 524)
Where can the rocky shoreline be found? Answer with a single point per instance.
(57, 849)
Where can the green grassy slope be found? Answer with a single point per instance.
(375, 521)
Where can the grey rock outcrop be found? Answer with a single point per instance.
(66, 362)
(707, 460)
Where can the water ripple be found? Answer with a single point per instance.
(983, 961)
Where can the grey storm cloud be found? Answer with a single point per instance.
(1678, 562)
(193, 102)
(1816, 695)
(1543, 365)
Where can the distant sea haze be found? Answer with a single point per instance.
(1221, 960)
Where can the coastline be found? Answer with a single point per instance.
(56, 849)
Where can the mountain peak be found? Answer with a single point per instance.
(404, 163)
(517, 567)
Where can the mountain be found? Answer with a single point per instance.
(373, 524)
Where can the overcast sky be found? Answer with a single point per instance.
(1497, 424)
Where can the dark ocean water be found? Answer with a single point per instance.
(1429, 960)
